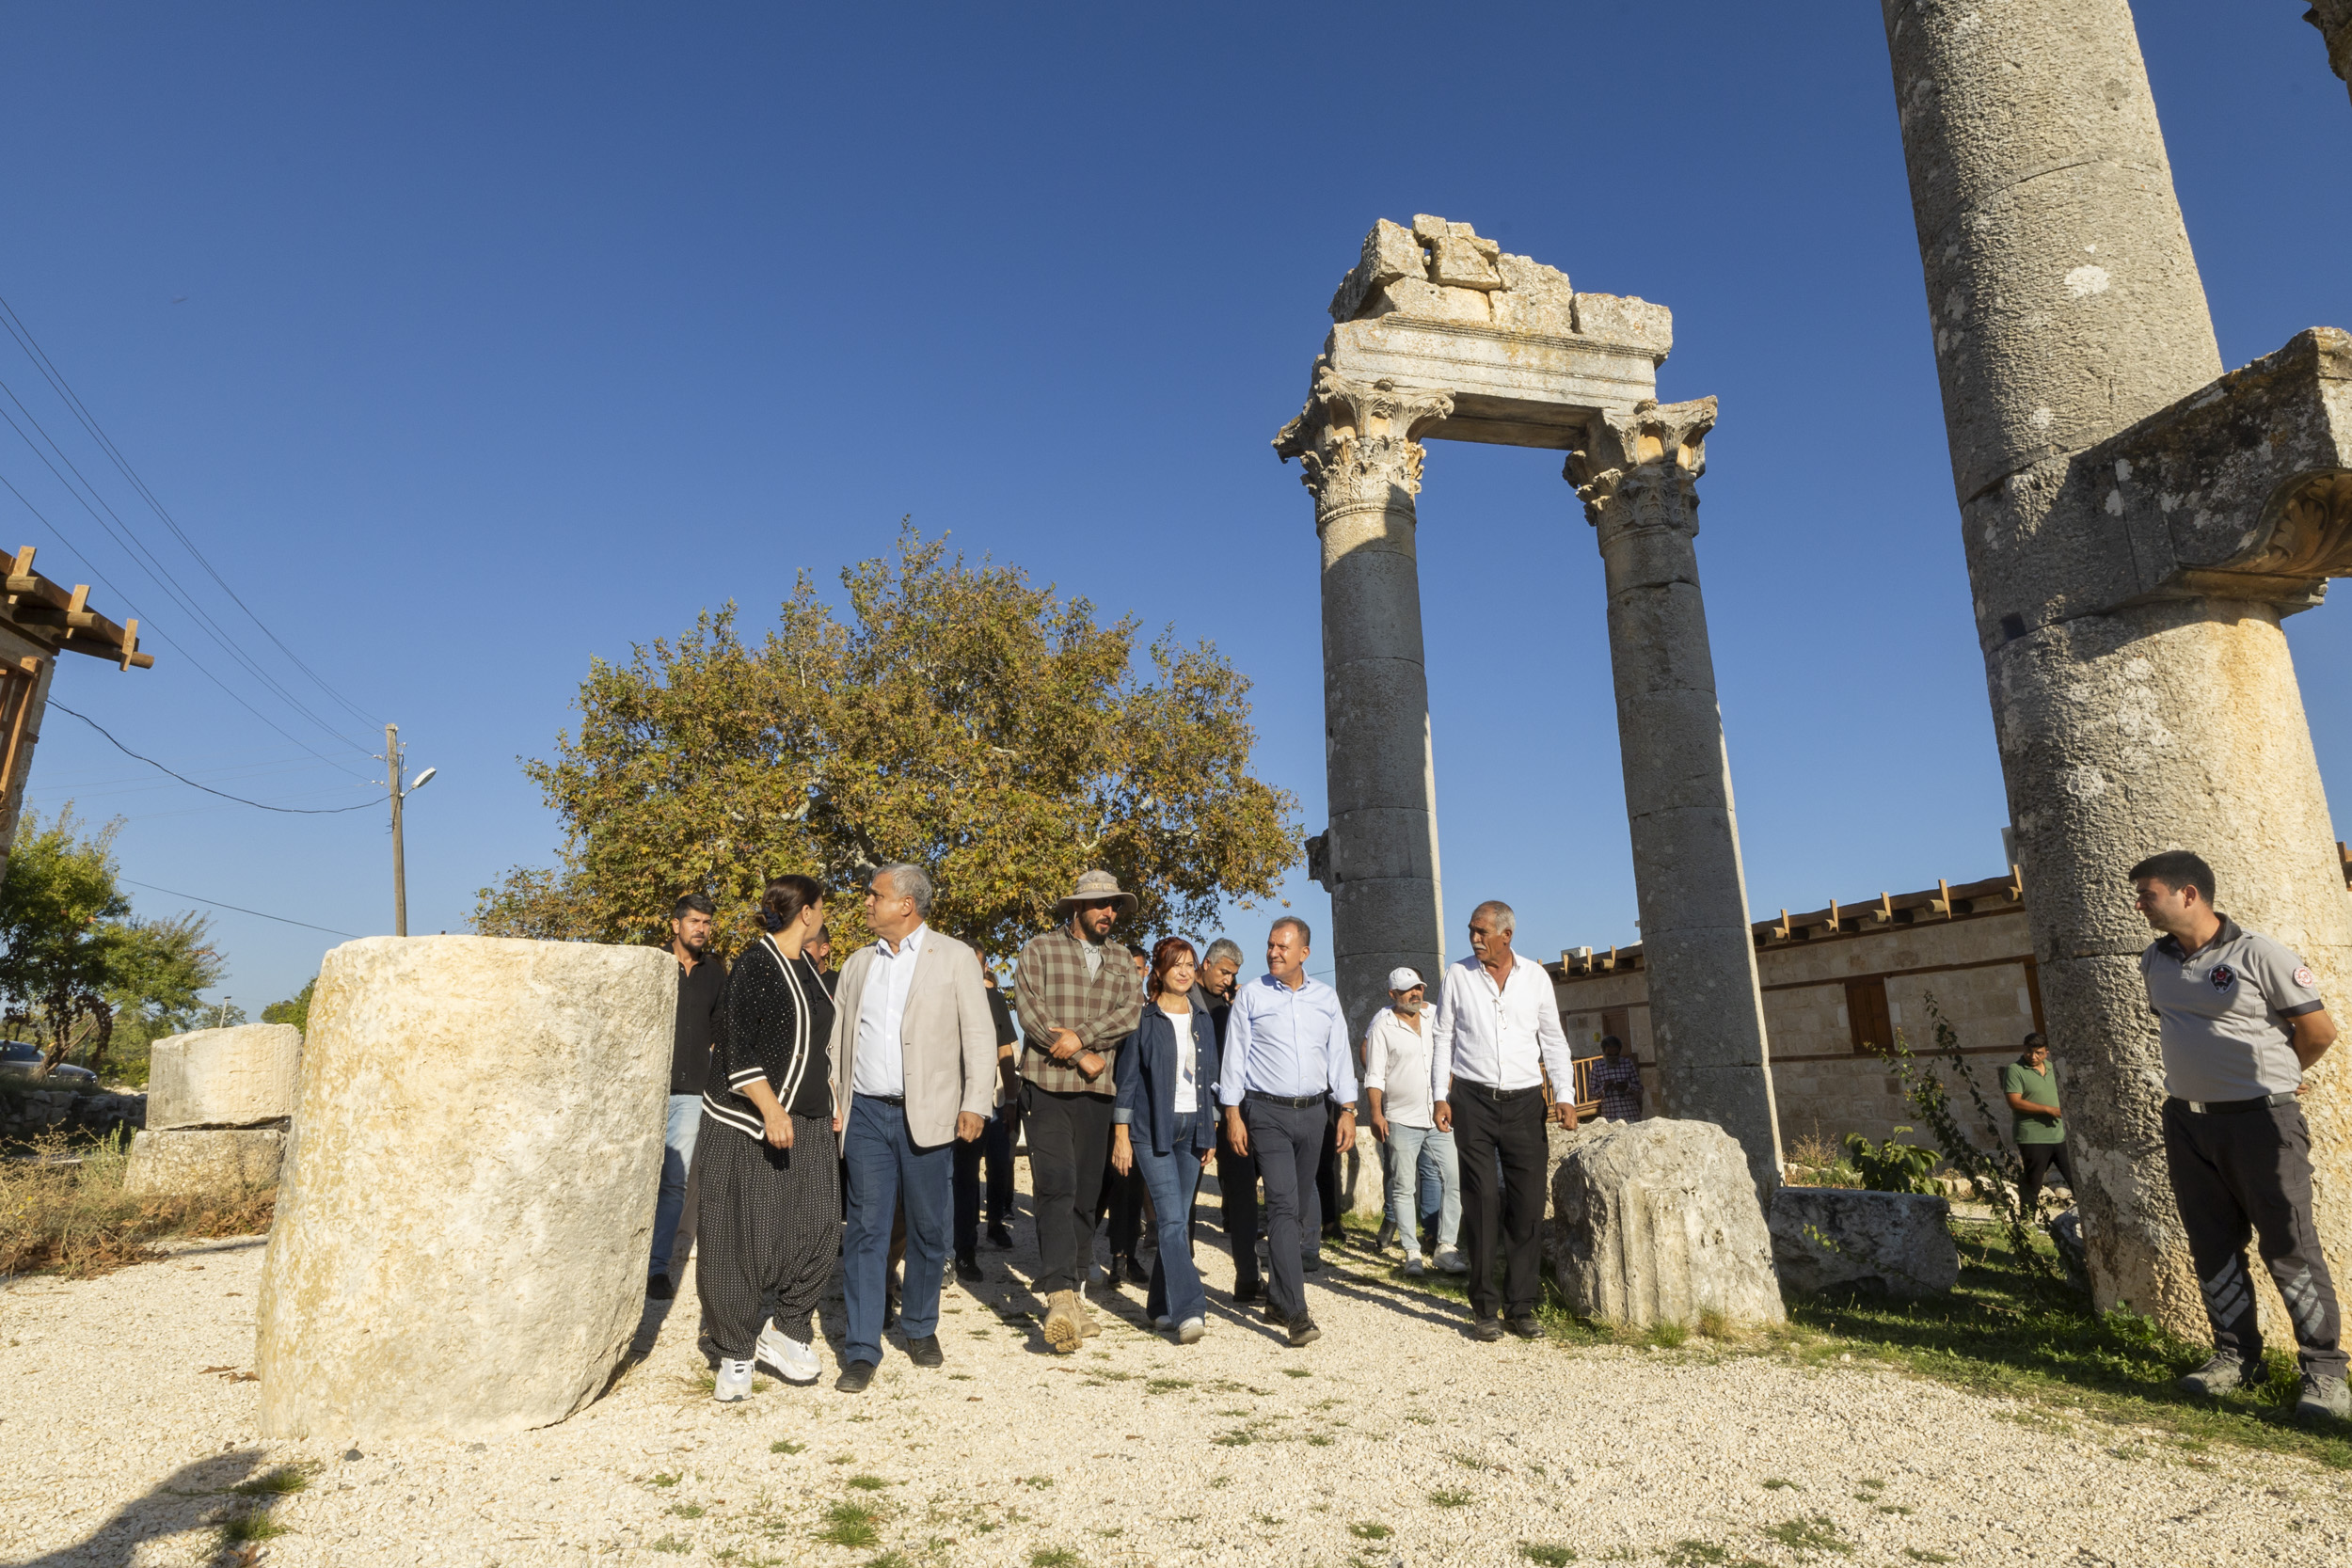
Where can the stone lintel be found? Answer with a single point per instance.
(1510, 388)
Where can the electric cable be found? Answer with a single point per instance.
(290, 811)
(240, 909)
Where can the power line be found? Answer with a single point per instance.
(240, 910)
(292, 811)
(72, 400)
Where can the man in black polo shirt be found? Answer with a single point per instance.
(704, 977)
(2240, 1017)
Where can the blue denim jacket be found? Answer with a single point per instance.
(1145, 1075)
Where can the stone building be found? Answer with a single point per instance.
(1837, 983)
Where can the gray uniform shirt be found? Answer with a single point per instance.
(2223, 1012)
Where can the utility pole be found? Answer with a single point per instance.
(400, 790)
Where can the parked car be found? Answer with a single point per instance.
(21, 1060)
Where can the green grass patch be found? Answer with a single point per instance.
(1038, 1483)
(1450, 1496)
(1366, 1530)
(667, 1480)
(276, 1483)
(1166, 1384)
(1546, 1554)
(851, 1524)
(867, 1483)
(1054, 1557)
(786, 1445)
(246, 1528)
(1296, 1371)
(1780, 1483)
(685, 1511)
(1814, 1533)
(670, 1544)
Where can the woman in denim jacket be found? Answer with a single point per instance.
(1165, 1120)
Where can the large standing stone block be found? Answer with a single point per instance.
(1899, 1241)
(1657, 1221)
(200, 1160)
(463, 1232)
(223, 1077)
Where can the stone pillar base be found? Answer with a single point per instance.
(205, 1160)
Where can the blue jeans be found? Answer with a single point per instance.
(1431, 1185)
(1411, 1151)
(677, 1158)
(887, 1169)
(1171, 1179)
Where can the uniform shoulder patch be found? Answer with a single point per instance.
(2222, 977)
(2304, 977)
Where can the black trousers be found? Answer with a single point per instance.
(1513, 1128)
(1122, 1203)
(1327, 1175)
(2037, 1159)
(1238, 1180)
(2236, 1174)
(995, 1146)
(1070, 1137)
(769, 1221)
(1285, 1139)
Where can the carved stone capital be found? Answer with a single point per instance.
(1357, 443)
(2333, 17)
(1642, 467)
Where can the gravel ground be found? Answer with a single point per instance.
(1395, 1440)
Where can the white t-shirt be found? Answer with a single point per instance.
(1188, 1097)
(1398, 1063)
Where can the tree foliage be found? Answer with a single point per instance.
(296, 1009)
(958, 717)
(76, 962)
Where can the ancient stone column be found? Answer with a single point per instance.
(2333, 17)
(462, 1232)
(2135, 709)
(1357, 444)
(1638, 477)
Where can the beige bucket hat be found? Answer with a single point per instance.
(1092, 886)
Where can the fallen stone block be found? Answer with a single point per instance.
(1899, 1241)
(236, 1077)
(210, 1160)
(462, 1235)
(1657, 1222)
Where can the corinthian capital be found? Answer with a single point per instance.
(1358, 443)
(1642, 467)
(2333, 17)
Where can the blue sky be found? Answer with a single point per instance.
(471, 342)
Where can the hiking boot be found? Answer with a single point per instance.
(2219, 1375)
(1065, 1322)
(1088, 1326)
(2324, 1396)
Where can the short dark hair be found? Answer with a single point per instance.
(1608, 1040)
(2177, 869)
(784, 898)
(1306, 935)
(699, 903)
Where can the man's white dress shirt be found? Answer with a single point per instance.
(1399, 1063)
(881, 1011)
(1501, 1036)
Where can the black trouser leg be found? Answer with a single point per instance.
(997, 1143)
(2037, 1159)
(2238, 1175)
(1067, 1135)
(1328, 1171)
(968, 1196)
(1503, 1211)
(1237, 1183)
(1284, 1138)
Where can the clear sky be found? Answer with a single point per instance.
(468, 342)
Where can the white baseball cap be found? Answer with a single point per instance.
(1404, 977)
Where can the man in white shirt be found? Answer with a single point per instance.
(1496, 1037)
(1400, 1074)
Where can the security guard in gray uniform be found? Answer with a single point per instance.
(2241, 1018)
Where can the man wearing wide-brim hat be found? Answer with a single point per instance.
(1078, 997)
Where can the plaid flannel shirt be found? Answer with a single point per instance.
(1052, 991)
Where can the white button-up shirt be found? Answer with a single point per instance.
(1399, 1063)
(1500, 1036)
(881, 1011)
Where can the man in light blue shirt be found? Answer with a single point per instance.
(1286, 1058)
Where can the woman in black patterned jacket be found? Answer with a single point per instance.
(769, 1223)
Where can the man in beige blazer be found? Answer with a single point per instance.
(913, 1052)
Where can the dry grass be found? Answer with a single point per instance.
(75, 1219)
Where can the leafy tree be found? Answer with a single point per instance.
(74, 959)
(160, 971)
(296, 1009)
(959, 717)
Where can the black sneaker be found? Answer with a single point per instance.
(968, 1268)
(1248, 1291)
(658, 1287)
(2321, 1396)
(2219, 1375)
(1312, 1263)
(1304, 1332)
(1386, 1238)
(854, 1377)
(1524, 1325)
(1000, 1236)
(1485, 1330)
(924, 1352)
(1274, 1319)
(1137, 1273)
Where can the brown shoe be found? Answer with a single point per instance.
(1065, 1322)
(1088, 1327)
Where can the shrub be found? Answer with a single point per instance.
(1890, 1166)
(74, 1218)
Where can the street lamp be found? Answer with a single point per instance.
(400, 792)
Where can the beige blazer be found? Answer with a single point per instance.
(946, 1038)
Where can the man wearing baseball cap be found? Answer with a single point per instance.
(1400, 1074)
(2240, 1017)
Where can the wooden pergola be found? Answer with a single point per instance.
(38, 620)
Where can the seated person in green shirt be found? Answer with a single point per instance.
(2034, 1121)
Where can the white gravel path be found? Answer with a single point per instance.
(121, 1418)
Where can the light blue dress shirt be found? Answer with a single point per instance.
(1289, 1043)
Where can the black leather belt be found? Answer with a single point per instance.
(897, 1100)
(1487, 1091)
(2229, 1107)
(1299, 1103)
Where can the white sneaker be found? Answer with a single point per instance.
(1452, 1262)
(1413, 1264)
(1162, 1323)
(1189, 1331)
(734, 1382)
(786, 1357)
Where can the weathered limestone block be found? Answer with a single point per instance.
(224, 1077)
(1825, 1236)
(1657, 1221)
(463, 1232)
(204, 1160)
(1359, 1174)
(1626, 319)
